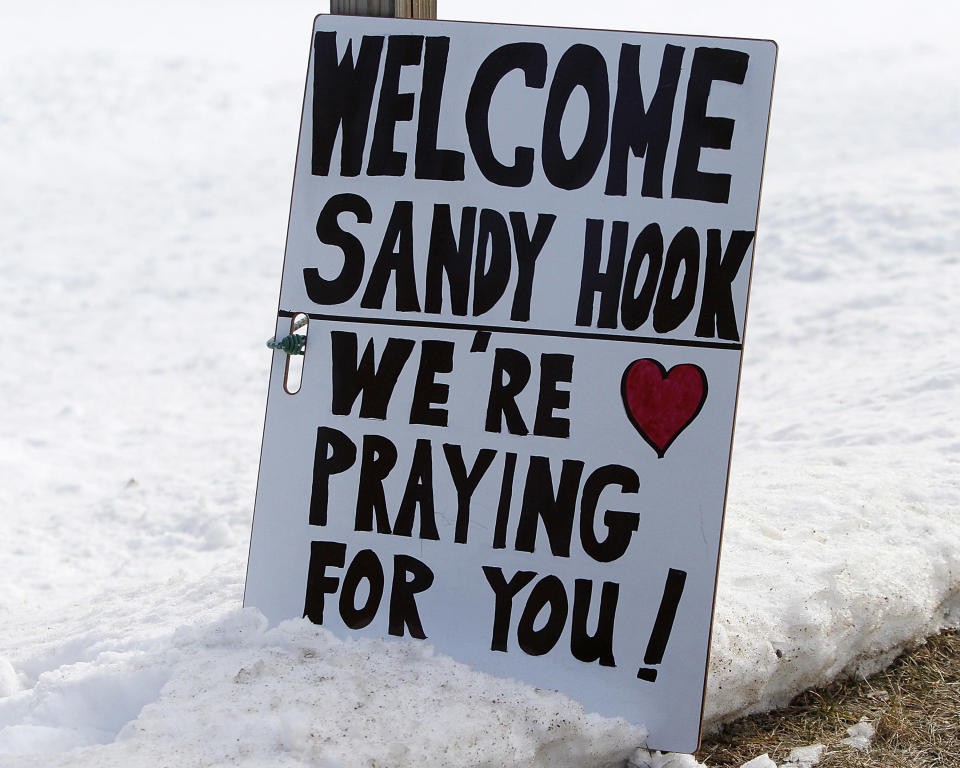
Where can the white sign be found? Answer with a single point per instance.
(525, 255)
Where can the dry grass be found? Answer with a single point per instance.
(914, 706)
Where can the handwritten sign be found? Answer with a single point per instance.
(525, 255)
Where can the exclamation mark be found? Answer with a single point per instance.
(657, 644)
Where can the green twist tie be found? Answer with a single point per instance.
(295, 343)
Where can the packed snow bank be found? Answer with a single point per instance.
(229, 691)
(147, 165)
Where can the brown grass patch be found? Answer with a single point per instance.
(914, 706)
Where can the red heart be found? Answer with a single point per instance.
(661, 404)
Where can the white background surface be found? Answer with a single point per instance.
(147, 154)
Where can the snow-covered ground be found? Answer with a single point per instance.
(146, 154)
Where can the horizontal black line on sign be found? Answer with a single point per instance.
(513, 329)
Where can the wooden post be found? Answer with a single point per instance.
(399, 9)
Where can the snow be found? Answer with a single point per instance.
(860, 735)
(147, 158)
(644, 759)
(804, 757)
(761, 761)
(297, 692)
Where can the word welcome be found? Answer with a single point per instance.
(344, 90)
